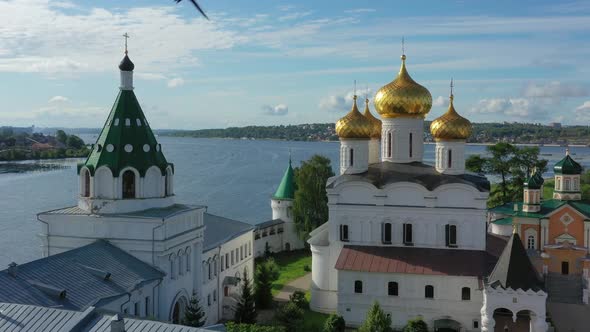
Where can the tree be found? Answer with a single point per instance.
(310, 206)
(233, 327)
(61, 136)
(266, 273)
(298, 297)
(246, 310)
(290, 316)
(74, 142)
(416, 325)
(194, 315)
(334, 323)
(377, 320)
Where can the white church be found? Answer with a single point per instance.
(127, 246)
(413, 236)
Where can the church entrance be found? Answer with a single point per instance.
(565, 268)
(178, 310)
(128, 184)
(505, 322)
(446, 325)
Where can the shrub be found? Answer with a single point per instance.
(234, 327)
(376, 321)
(416, 325)
(334, 323)
(298, 297)
(290, 316)
(306, 268)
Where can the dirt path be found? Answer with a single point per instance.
(302, 284)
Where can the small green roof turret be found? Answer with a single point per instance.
(286, 189)
(126, 140)
(535, 181)
(567, 165)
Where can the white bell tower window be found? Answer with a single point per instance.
(351, 157)
(450, 159)
(411, 145)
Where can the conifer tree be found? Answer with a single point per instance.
(194, 315)
(376, 321)
(266, 273)
(246, 310)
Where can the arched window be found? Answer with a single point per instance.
(209, 270)
(351, 157)
(386, 233)
(411, 145)
(172, 266)
(86, 192)
(576, 184)
(408, 234)
(451, 235)
(567, 185)
(429, 292)
(343, 232)
(392, 288)
(180, 263)
(129, 184)
(358, 286)
(530, 242)
(465, 293)
(558, 183)
(450, 159)
(389, 145)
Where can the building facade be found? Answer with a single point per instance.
(409, 235)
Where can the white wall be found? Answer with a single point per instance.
(400, 129)
(360, 155)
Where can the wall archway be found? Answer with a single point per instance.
(178, 307)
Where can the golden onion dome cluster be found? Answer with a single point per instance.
(450, 126)
(354, 125)
(403, 97)
(375, 123)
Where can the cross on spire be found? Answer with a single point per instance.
(126, 35)
(355, 87)
(403, 46)
(452, 86)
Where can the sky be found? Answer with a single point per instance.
(289, 62)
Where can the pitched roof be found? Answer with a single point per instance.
(269, 223)
(411, 260)
(547, 206)
(80, 272)
(286, 189)
(567, 166)
(514, 268)
(384, 173)
(126, 126)
(219, 230)
(19, 317)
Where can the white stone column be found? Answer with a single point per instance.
(400, 130)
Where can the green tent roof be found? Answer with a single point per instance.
(286, 189)
(567, 166)
(535, 181)
(126, 140)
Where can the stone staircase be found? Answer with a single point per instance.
(564, 288)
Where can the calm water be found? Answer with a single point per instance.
(234, 178)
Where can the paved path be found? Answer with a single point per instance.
(302, 284)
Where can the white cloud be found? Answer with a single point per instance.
(440, 101)
(518, 107)
(360, 10)
(556, 89)
(58, 99)
(582, 112)
(280, 109)
(343, 102)
(294, 16)
(176, 82)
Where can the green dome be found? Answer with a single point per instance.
(126, 140)
(535, 181)
(286, 189)
(567, 166)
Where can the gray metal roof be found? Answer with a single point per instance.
(269, 223)
(384, 173)
(80, 272)
(28, 318)
(219, 230)
(160, 213)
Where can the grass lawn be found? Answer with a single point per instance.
(313, 321)
(291, 266)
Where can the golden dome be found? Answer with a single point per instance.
(354, 124)
(403, 97)
(376, 123)
(450, 126)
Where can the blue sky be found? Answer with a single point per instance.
(287, 62)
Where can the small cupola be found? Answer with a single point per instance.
(567, 178)
(126, 67)
(533, 192)
(355, 131)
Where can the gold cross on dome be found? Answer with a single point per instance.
(126, 35)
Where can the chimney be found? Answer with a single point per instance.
(117, 323)
(12, 269)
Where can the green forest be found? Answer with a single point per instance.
(27, 146)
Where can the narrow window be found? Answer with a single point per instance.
(215, 267)
(358, 286)
(386, 229)
(214, 295)
(343, 232)
(475, 324)
(450, 159)
(389, 145)
(250, 246)
(232, 257)
(227, 260)
(351, 157)
(531, 242)
(222, 262)
(241, 253)
(451, 235)
(209, 299)
(209, 269)
(147, 306)
(429, 292)
(576, 184)
(136, 308)
(129, 184)
(411, 145)
(86, 183)
(408, 234)
(465, 293)
(567, 185)
(188, 261)
(392, 288)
